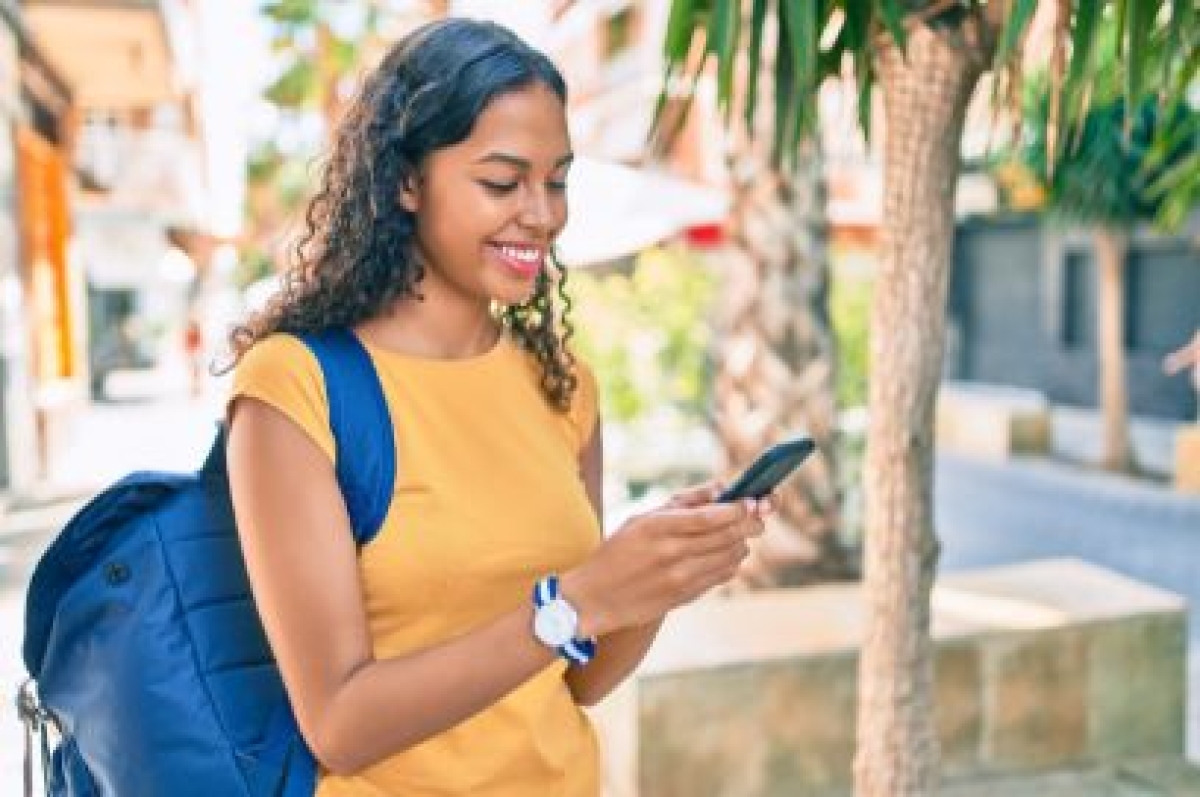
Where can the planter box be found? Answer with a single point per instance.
(1050, 665)
(991, 421)
(1187, 458)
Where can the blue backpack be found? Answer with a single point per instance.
(141, 632)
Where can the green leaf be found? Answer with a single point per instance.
(1085, 34)
(858, 24)
(799, 19)
(1183, 25)
(292, 12)
(724, 26)
(344, 54)
(1140, 21)
(893, 13)
(296, 87)
(781, 149)
(758, 24)
(1171, 179)
(864, 76)
(1122, 15)
(681, 25)
(1018, 21)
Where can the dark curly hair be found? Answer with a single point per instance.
(355, 257)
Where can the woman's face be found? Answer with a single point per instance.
(489, 208)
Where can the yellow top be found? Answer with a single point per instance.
(488, 499)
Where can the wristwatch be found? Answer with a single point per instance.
(556, 623)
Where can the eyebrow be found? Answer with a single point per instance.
(521, 163)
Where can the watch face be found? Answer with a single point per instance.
(555, 623)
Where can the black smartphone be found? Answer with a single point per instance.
(772, 467)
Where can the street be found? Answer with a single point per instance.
(987, 514)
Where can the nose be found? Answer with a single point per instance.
(537, 211)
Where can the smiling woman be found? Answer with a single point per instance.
(451, 652)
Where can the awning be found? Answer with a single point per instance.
(618, 210)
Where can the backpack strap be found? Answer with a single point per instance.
(362, 428)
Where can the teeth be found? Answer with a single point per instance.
(524, 255)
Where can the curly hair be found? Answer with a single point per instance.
(355, 258)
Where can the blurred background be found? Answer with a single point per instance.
(155, 156)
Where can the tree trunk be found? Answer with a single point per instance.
(1111, 246)
(775, 349)
(925, 97)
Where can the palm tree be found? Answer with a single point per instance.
(775, 355)
(927, 57)
(775, 350)
(1104, 180)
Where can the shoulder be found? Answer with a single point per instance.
(282, 371)
(276, 355)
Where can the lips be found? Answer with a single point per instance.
(524, 260)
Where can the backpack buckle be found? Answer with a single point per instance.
(36, 718)
(31, 713)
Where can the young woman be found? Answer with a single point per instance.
(420, 664)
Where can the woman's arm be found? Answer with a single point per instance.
(302, 562)
(617, 654)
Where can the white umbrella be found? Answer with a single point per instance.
(618, 210)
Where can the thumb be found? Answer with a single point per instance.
(696, 496)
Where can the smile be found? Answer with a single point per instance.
(524, 260)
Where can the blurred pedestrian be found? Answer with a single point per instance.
(193, 347)
(1183, 357)
(451, 654)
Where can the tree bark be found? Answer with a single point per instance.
(925, 97)
(775, 356)
(1111, 246)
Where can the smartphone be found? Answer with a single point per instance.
(772, 467)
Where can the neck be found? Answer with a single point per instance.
(434, 329)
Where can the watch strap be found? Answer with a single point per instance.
(577, 650)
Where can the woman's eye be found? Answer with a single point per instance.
(557, 186)
(498, 188)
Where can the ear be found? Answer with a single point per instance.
(410, 193)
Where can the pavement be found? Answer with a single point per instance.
(987, 514)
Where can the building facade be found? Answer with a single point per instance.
(100, 158)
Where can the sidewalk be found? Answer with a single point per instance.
(1077, 435)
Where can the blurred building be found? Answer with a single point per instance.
(102, 180)
(40, 314)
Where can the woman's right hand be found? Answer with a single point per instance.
(662, 559)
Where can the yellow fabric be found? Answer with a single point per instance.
(488, 499)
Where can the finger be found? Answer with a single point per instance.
(697, 496)
(710, 518)
(694, 548)
(765, 507)
(697, 520)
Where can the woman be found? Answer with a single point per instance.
(420, 664)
